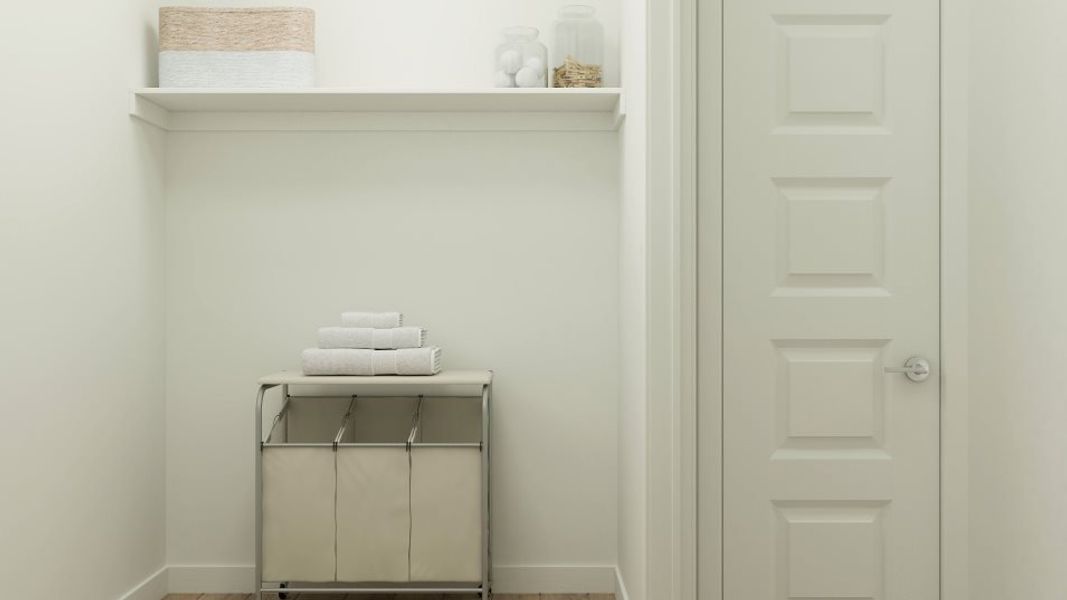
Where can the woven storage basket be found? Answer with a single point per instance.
(236, 47)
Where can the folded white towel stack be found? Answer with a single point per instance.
(355, 361)
(374, 339)
(372, 344)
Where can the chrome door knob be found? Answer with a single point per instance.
(916, 368)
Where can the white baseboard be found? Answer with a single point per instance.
(620, 586)
(152, 588)
(554, 579)
(211, 579)
(509, 579)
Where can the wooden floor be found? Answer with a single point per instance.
(394, 597)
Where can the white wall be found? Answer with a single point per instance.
(633, 330)
(81, 241)
(1018, 324)
(503, 245)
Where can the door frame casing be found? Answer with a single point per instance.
(682, 401)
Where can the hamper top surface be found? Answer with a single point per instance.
(471, 377)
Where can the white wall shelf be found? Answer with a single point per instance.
(324, 109)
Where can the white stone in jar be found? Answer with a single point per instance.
(535, 63)
(510, 61)
(528, 78)
(503, 80)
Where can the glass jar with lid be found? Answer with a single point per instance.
(578, 56)
(521, 60)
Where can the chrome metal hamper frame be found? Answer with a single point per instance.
(448, 379)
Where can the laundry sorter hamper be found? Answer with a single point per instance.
(373, 484)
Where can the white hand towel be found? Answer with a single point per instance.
(366, 337)
(353, 361)
(383, 320)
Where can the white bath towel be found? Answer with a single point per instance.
(351, 361)
(382, 320)
(366, 337)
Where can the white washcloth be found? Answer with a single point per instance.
(353, 361)
(383, 320)
(366, 337)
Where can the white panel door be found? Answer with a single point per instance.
(830, 275)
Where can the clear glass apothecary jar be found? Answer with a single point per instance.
(521, 60)
(578, 55)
